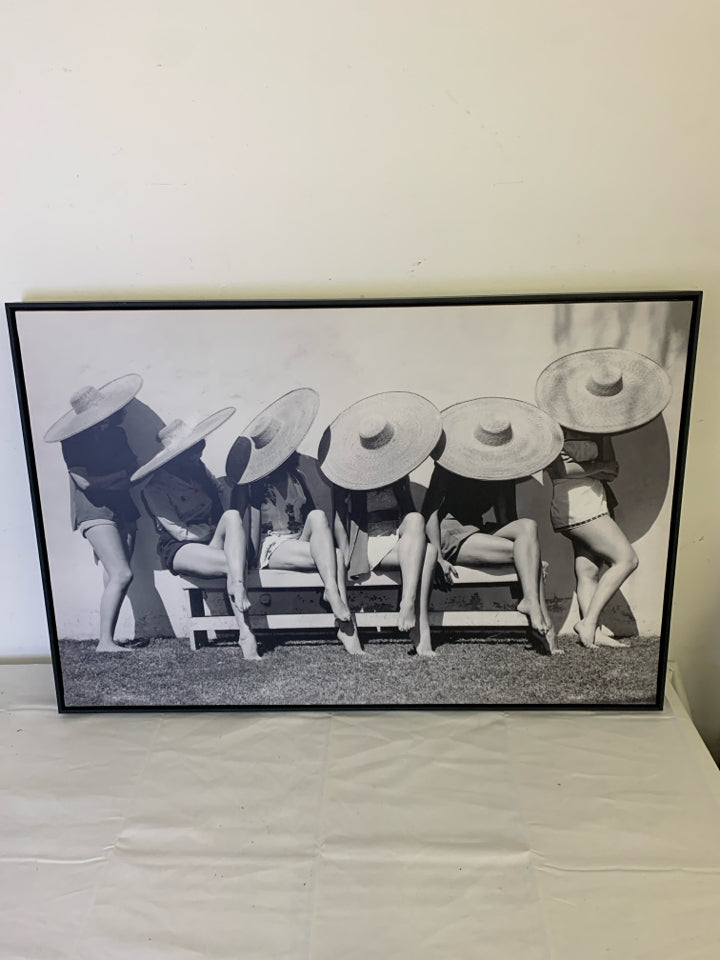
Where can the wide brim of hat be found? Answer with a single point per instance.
(562, 392)
(294, 412)
(198, 433)
(417, 427)
(535, 442)
(113, 397)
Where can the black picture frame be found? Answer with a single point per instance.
(202, 355)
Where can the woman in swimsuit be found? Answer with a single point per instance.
(593, 394)
(196, 536)
(368, 453)
(581, 509)
(286, 531)
(100, 462)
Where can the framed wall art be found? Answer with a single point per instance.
(465, 501)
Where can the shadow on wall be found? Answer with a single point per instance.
(643, 454)
(613, 325)
(141, 425)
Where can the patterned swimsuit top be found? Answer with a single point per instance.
(383, 512)
(284, 513)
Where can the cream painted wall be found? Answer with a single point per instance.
(282, 149)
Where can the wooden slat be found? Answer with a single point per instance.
(293, 580)
(448, 618)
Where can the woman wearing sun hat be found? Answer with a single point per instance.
(287, 531)
(196, 536)
(488, 444)
(368, 453)
(595, 393)
(100, 462)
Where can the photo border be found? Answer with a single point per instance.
(693, 296)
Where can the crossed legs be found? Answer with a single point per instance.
(516, 543)
(594, 543)
(223, 556)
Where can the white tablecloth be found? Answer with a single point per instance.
(447, 834)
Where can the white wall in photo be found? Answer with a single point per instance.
(195, 362)
(323, 149)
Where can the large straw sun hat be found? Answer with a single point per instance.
(606, 390)
(92, 405)
(269, 439)
(379, 440)
(178, 436)
(497, 438)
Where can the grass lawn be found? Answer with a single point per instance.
(306, 672)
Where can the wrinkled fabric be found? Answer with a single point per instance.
(424, 834)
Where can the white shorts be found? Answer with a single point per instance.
(577, 501)
(380, 547)
(270, 544)
(126, 529)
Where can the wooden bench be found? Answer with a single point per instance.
(291, 602)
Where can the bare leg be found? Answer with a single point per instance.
(549, 639)
(230, 537)
(222, 558)
(587, 576)
(607, 541)
(409, 555)
(346, 629)
(314, 550)
(112, 553)
(422, 635)
(515, 543)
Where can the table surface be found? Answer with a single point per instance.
(324, 835)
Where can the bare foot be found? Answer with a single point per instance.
(604, 628)
(424, 649)
(586, 635)
(548, 641)
(236, 591)
(534, 615)
(340, 609)
(248, 644)
(604, 640)
(348, 636)
(109, 646)
(422, 641)
(406, 616)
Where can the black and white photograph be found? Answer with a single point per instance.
(437, 502)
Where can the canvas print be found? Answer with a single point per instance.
(441, 502)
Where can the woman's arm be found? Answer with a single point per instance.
(607, 452)
(445, 572)
(340, 515)
(118, 480)
(81, 482)
(163, 510)
(566, 467)
(434, 499)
